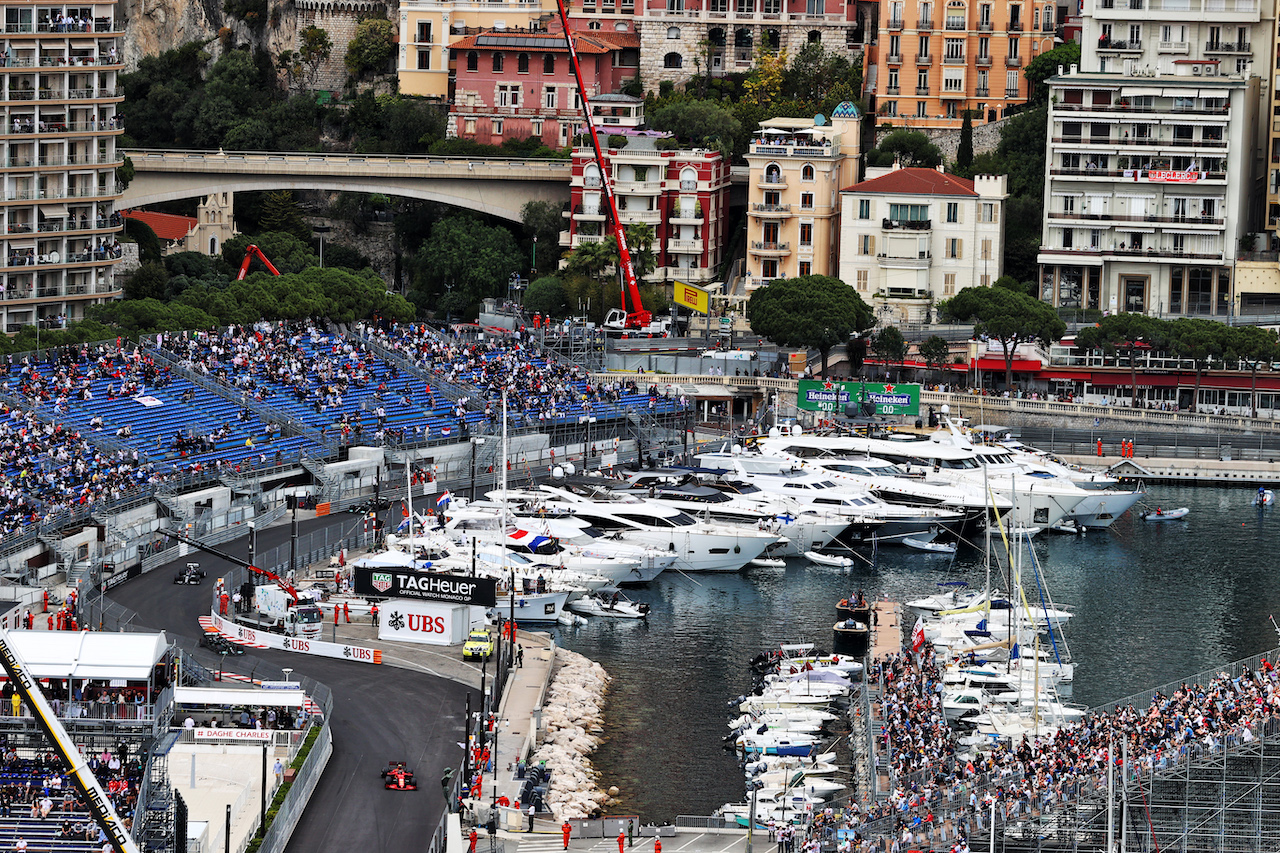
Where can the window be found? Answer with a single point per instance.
(864, 208)
(673, 60)
(548, 63)
(891, 108)
(772, 198)
(806, 234)
(953, 81)
(497, 127)
(509, 96)
(949, 284)
(984, 280)
(924, 46)
(862, 280)
(1135, 34)
(549, 96)
(673, 32)
(922, 109)
(806, 173)
(593, 25)
(473, 61)
(867, 244)
(522, 63)
(955, 248)
(986, 247)
(984, 48)
(806, 268)
(469, 127)
(1011, 83)
(806, 201)
(536, 126)
(922, 80)
(953, 49)
(497, 63)
(988, 211)
(952, 110)
(953, 211)
(1013, 47)
(769, 269)
(1068, 237)
(424, 32)
(1179, 242)
(424, 60)
(908, 212)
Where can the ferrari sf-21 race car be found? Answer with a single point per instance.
(398, 777)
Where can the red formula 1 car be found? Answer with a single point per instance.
(398, 777)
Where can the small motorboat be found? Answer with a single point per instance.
(930, 545)
(614, 606)
(851, 637)
(1068, 527)
(1264, 497)
(769, 563)
(1158, 514)
(828, 559)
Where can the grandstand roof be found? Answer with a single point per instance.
(239, 696)
(168, 226)
(89, 654)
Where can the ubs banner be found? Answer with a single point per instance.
(435, 624)
(426, 586)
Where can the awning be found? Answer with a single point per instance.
(1020, 365)
(220, 697)
(53, 211)
(89, 654)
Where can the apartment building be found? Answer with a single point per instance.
(937, 58)
(682, 194)
(911, 237)
(1140, 215)
(60, 125)
(516, 85)
(797, 169)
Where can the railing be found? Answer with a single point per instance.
(1133, 108)
(1227, 47)
(895, 24)
(957, 26)
(893, 58)
(765, 246)
(982, 60)
(1015, 26)
(924, 24)
(924, 59)
(909, 224)
(982, 91)
(770, 208)
(984, 26)
(1120, 217)
(953, 60)
(1013, 62)
(922, 90)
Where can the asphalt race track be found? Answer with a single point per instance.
(380, 713)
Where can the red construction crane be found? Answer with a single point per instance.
(251, 252)
(636, 316)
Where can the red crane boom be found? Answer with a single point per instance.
(251, 252)
(236, 561)
(637, 317)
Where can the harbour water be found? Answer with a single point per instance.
(1153, 603)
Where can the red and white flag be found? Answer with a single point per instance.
(917, 634)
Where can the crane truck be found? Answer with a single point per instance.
(278, 608)
(632, 316)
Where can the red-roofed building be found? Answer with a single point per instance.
(172, 229)
(911, 237)
(513, 85)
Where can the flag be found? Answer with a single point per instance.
(526, 539)
(917, 634)
(444, 499)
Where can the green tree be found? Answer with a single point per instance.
(936, 353)
(286, 252)
(964, 154)
(314, 49)
(1132, 334)
(149, 281)
(890, 347)
(811, 311)
(1254, 346)
(280, 213)
(474, 259)
(239, 85)
(371, 50)
(546, 296)
(1200, 340)
(149, 248)
(1010, 317)
(162, 95)
(698, 122)
(908, 147)
(542, 220)
(1046, 65)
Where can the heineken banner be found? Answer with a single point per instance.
(818, 395)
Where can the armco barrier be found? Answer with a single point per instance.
(295, 801)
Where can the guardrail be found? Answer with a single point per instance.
(416, 166)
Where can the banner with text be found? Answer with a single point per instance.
(426, 586)
(816, 395)
(691, 296)
(247, 636)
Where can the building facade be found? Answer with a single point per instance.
(1147, 189)
(911, 237)
(516, 85)
(61, 97)
(934, 59)
(683, 195)
(797, 169)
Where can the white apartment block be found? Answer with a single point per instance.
(911, 237)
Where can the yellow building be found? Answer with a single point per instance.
(798, 168)
(428, 27)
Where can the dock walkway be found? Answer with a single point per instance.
(886, 639)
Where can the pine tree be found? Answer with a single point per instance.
(964, 156)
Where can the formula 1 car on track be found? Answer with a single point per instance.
(398, 777)
(191, 574)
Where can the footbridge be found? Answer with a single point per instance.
(495, 186)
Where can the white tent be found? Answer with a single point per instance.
(89, 654)
(219, 697)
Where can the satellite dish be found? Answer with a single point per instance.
(557, 472)
(796, 430)
(774, 432)
(53, 257)
(819, 120)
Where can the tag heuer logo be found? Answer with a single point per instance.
(382, 581)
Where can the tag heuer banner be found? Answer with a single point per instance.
(816, 395)
(426, 586)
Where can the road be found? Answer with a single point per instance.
(380, 713)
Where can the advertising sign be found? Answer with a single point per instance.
(817, 395)
(426, 586)
(258, 639)
(1169, 177)
(254, 735)
(424, 622)
(692, 297)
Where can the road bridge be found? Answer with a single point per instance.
(495, 186)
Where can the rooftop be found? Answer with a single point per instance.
(168, 226)
(915, 181)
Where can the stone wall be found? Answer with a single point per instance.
(985, 137)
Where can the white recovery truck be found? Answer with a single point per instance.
(275, 610)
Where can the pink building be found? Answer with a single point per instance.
(682, 195)
(517, 84)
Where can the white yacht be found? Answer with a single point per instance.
(1106, 500)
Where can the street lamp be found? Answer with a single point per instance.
(475, 443)
(287, 671)
(321, 230)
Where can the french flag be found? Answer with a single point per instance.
(444, 499)
(525, 539)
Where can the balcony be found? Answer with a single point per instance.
(1125, 106)
(686, 216)
(1173, 47)
(1015, 26)
(892, 90)
(919, 261)
(922, 90)
(984, 61)
(1119, 45)
(895, 24)
(1012, 93)
(907, 224)
(953, 60)
(759, 247)
(685, 247)
(649, 217)
(924, 59)
(580, 239)
(894, 58)
(957, 26)
(582, 214)
(771, 211)
(984, 26)
(924, 25)
(1227, 47)
(1102, 218)
(953, 93)
(982, 92)
(1013, 62)
(773, 181)
(637, 187)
